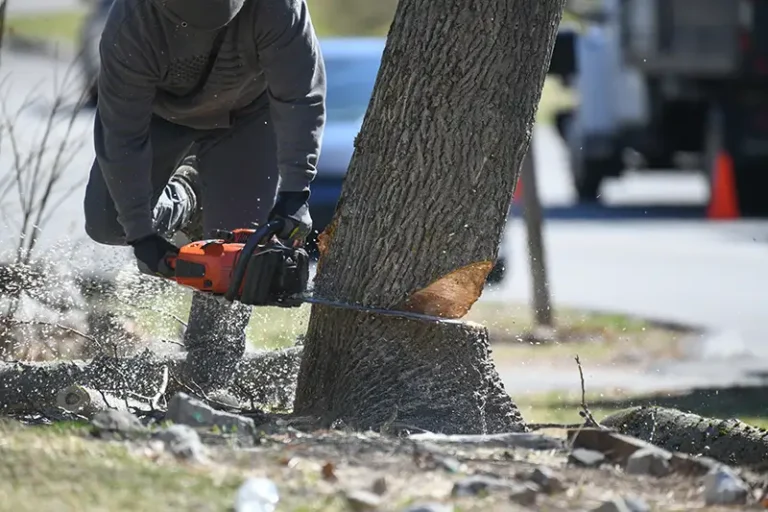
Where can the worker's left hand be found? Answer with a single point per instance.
(293, 209)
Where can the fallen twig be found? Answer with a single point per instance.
(154, 403)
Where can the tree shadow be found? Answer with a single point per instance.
(729, 402)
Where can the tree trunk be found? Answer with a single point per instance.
(420, 218)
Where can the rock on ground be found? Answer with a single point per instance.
(429, 507)
(116, 421)
(723, 487)
(623, 505)
(586, 458)
(649, 461)
(187, 410)
(363, 501)
(547, 480)
(183, 442)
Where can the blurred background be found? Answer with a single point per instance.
(650, 153)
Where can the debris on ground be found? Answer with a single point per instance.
(362, 500)
(257, 495)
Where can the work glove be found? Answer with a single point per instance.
(293, 210)
(153, 252)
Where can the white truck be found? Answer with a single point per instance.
(661, 79)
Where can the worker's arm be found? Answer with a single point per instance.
(126, 90)
(295, 73)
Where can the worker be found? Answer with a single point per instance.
(209, 112)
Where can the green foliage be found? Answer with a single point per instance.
(352, 17)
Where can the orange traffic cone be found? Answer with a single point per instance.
(723, 202)
(518, 191)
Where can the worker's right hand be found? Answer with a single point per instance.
(153, 251)
(293, 210)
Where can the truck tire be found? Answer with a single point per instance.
(589, 173)
(713, 142)
(497, 273)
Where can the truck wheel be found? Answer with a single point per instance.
(588, 175)
(496, 275)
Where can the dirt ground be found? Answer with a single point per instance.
(66, 466)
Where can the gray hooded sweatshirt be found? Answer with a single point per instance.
(153, 54)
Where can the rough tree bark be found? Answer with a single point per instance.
(420, 218)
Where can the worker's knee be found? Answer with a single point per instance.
(103, 228)
(99, 233)
(101, 223)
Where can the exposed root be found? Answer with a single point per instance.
(729, 441)
(264, 378)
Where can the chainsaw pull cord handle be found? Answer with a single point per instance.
(238, 274)
(170, 261)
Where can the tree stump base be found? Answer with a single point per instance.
(371, 372)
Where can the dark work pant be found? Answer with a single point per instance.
(238, 171)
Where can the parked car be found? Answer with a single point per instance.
(351, 67)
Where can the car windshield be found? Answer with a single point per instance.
(350, 81)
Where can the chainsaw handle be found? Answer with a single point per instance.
(271, 228)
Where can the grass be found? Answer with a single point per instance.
(41, 466)
(63, 26)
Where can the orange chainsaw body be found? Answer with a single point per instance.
(207, 265)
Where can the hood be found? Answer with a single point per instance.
(200, 14)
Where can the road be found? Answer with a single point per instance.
(659, 260)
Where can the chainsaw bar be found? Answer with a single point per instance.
(309, 299)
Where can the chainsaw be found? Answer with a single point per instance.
(255, 268)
